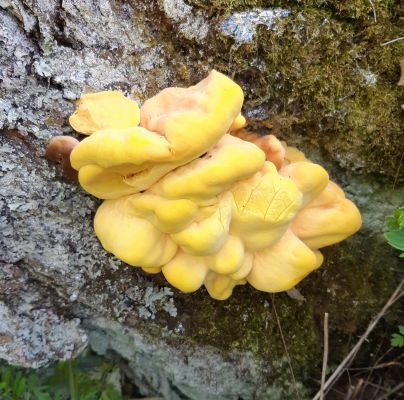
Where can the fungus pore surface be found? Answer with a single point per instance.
(188, 192)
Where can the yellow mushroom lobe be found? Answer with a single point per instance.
(104, 110)
(189, 193)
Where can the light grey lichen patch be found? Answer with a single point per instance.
(26, 101)
(151, 59)
(151, 299)
(118, 297)
(226, 376)
(242, 25)
(17, 9)
(193, 25)
(37, 339)
(104, 24)
(369, 77)
(91, 68)
(375, 203)
(37, 86)
(40, 219)
(32, 332)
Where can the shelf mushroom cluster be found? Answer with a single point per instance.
(190, 194)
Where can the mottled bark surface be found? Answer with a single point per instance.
(59, 289)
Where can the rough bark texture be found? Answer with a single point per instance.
(60, 289)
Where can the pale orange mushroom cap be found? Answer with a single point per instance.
(104, 110)
(59, 149)
(205, 207)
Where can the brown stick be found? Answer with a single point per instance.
(392, 391)
(325, 356)
(392, 41)
(374, 10)
(349, 358)
(284, 346)
(379, 366)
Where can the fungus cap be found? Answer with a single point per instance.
(59, 149)
(104, 110)
(177, 126)
(192, 195)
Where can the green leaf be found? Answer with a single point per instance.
(401, 329)
(19, 385)
(399, 216)
(6, 376)
(40, 394)
(92, 379)
(395, 239)
(391, 223)
(91, 395)
(110, 393)
(395, 232)
(397, 340)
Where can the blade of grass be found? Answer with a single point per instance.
(72, 382)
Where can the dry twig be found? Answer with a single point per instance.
(284, 345)
(392, 391)
(374, 10)
(401, 81)
(398, 293)
(392, 41)
(325, 356)
(379, 366)
(356, 390)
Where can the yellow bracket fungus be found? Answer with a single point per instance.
(188, 192)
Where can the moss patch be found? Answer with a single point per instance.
(324, 66)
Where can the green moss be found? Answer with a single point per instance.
(324, 67)
(355, 9)
(226, 5)
(247, 323)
